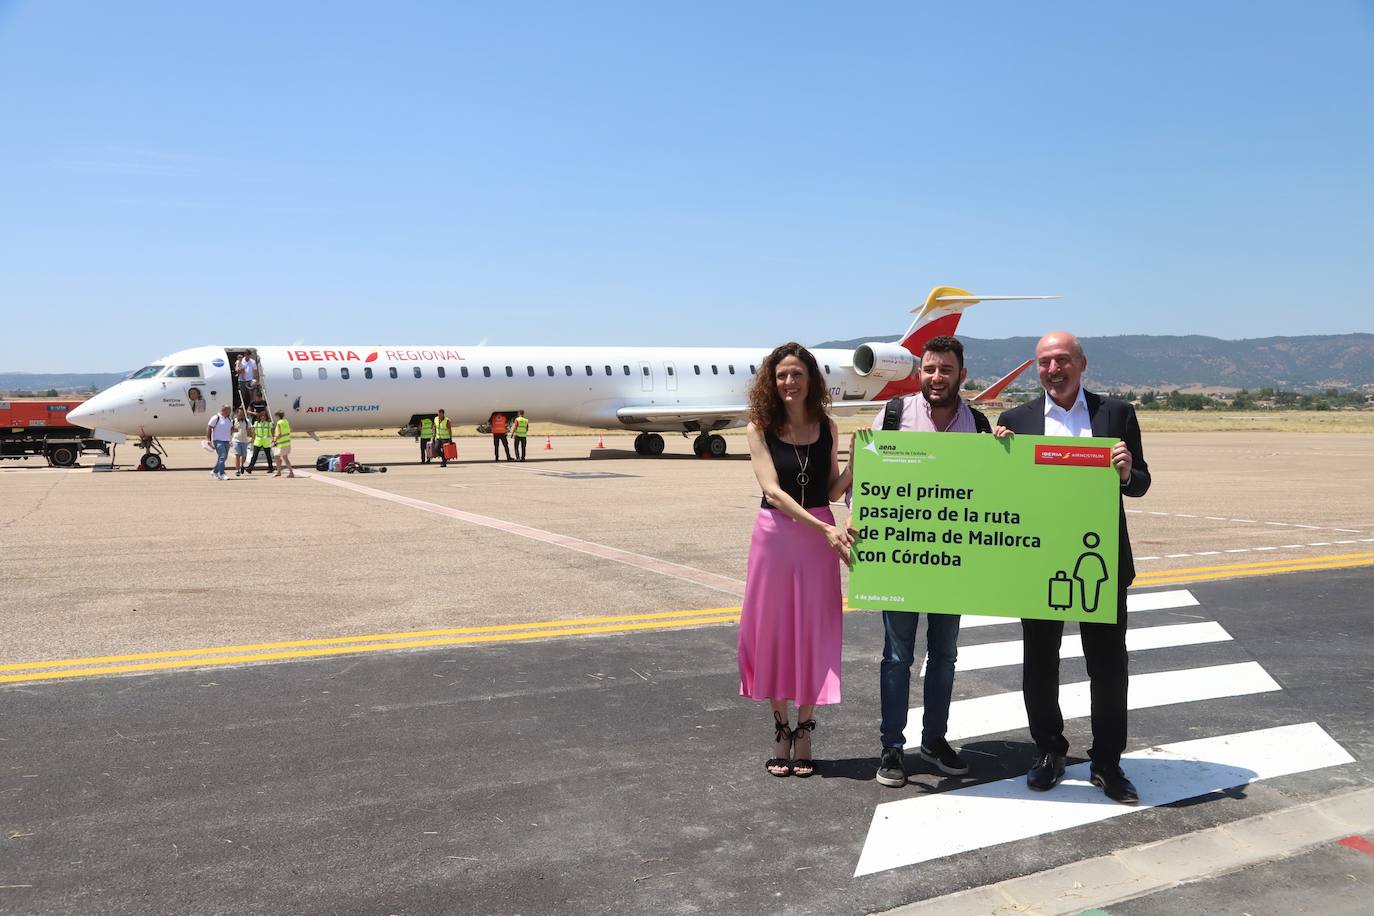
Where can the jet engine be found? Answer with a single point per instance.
(884, 361)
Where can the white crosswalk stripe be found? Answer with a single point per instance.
(1146, 601)
(997, 654)
(925, 827)
(1004, 712)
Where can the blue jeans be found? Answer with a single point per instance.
(221, 454)
(899, 651)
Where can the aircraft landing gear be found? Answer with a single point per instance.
(649, 444)
(153, 453)
(709, 445)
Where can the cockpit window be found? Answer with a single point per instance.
(147, 372)
(184, 372)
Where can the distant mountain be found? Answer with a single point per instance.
(1167, 362)
(65, 382)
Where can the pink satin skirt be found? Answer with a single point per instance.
(792, 627)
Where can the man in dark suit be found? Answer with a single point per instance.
(1067, 410)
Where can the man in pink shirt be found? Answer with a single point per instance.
(937, 408)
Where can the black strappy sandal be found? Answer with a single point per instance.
(781, 764)
(803, 763)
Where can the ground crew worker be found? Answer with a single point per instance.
(522, 430)
(498, 436)
(426, 438)
(443, 435)
(262, 440)
(281, 441)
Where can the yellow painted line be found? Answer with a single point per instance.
(683, 616)
(1241, 570)
(219, 656)
(323, 652)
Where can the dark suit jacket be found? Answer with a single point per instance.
(1112, 419)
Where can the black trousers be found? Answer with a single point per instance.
(1104, 650)
(496, 443)
(439, 451)
(520, 448)
(253, 462)
(424, 450)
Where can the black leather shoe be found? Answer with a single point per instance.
(1046, 773)
(1114, 784)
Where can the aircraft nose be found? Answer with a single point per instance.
(83, 414)
(106, 410)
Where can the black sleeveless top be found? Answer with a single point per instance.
(788, 460)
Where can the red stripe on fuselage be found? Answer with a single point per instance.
(945, 325)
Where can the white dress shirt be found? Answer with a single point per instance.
(1073, 422)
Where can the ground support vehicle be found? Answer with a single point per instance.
(40, 427)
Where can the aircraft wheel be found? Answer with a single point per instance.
(699, 446)
(62, 456)
(653, 444)
(640, 448)
(717, 446)
(151, 461)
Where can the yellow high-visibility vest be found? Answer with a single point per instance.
(443, 429)
(282, 433)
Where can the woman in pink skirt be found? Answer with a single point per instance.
(791, 627)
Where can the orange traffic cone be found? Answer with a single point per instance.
(599, 442)
(548, 443)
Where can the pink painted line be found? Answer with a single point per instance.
(651, 564)
(1359, 844)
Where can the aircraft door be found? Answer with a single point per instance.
(646, 376)
(244, 395)
(670, 376)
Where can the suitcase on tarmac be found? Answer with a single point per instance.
(429, 449)
(334, 464)
(345, 459)
(450, 451)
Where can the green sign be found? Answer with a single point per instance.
(955, 523)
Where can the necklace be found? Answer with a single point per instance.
(803, 462)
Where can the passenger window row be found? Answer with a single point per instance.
(442, 372)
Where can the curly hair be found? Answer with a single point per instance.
(766, 410)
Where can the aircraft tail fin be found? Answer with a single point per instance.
(939, 314)
(997, 387)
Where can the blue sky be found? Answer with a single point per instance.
(702, 173)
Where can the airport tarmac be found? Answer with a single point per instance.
(134, 562)
(569, 739)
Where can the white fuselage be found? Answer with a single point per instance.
(343, 388)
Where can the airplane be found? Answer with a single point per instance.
(653, 390)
